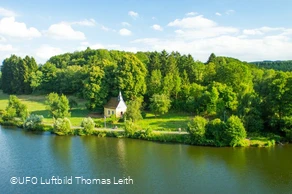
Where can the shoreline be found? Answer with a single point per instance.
(155, 136)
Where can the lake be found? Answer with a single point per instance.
(91, 164)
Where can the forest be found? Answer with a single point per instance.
(222, 90)
(276, 65)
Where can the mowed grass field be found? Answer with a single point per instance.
(167, 122)
(36, 105)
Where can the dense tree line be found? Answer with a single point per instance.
(159, 81)
(276, 65)
(16, 74)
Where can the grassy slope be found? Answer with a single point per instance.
(167, 122)
(36, 105)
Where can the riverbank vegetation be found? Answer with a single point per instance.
(221, 102)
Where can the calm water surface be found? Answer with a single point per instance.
(154, 167)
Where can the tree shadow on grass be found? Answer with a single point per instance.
(170, 125)
(44, 113)
(79, 112)
(74, 113)
(169, 116)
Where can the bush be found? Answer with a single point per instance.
(130, 128)
(15, 109)
(99, 123)
(197, 129)
(287, 128)
(33, 122)
(215, 132)
(88, 125)
(58, 106)
(234, 131)
(113, 119)
(9, 114)
(133, 112)
(62, 126)
(175, 138)
(159, 104)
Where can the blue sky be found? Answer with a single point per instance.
(244, 29)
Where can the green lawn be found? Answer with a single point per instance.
(167, 122)
(36, 105)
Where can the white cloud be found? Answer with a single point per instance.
(64, 31)
(287, 32)
(191, 13)
(7, 13)
(218, 14)
(125, 32)
(192, 22)
(252, 32)
(179, 31)
(244, 49)
(264, 30)
(46, 51)
(2, 39)
(269, 29)
(193, 37)
(229, 12)
(96, 46)
(199, 27)
(6, 47)
(84, 43)
(241, 48)
(105, 28)
(84, 46)
(157, 27)
(133, 14)
(86, 22)
(146, 40)
(126, 24)
(9, 27)
(110, 47)
(206, 32)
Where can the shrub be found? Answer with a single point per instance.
(197, 129)
(287, 128)
(159, 104)
(9, 114)
(113, 119)
(130, 128)
(234, 131)
(33, 122)
(99, 123)
(58, 106)
(15, 109)
(1, 112)
(215, 132)
(88, 125)
(133, 112)
(62, 126)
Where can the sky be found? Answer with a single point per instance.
(250, 30)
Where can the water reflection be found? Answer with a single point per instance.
(61, 149)
(155, 167)
(249, 168)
